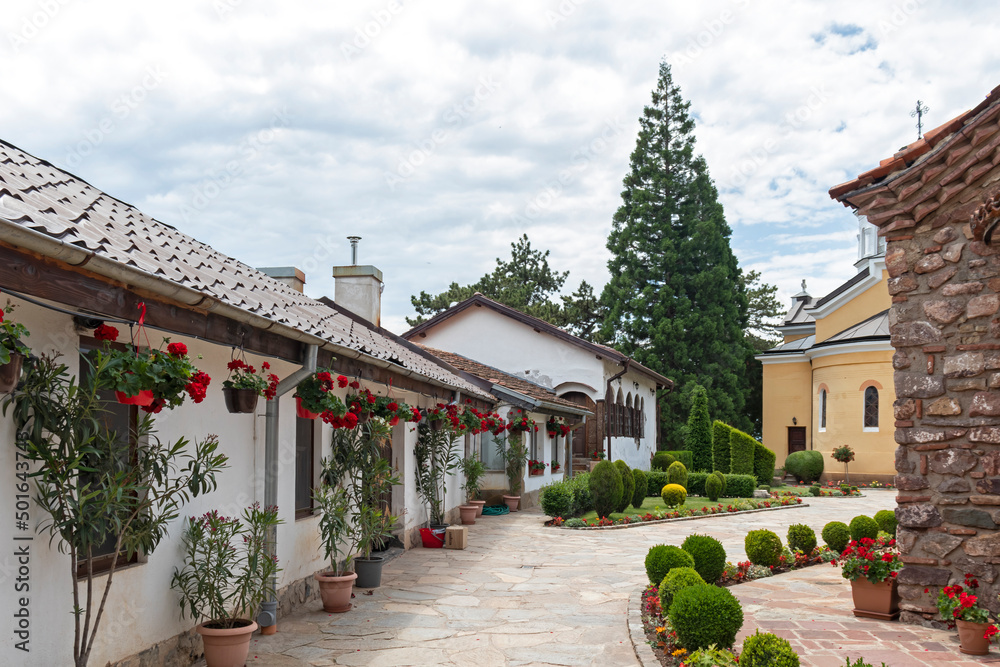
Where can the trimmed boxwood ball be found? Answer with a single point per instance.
(677, 474)
(886, 520)
(714, 486)
(628, 485)
(763, 547)
(662, 461)
(662, 558)
(863, 526)
(767, 650)
(801, 538)
(805, 466)
(557, 500)
(673, 495)
(677, 580)
(606, 487)
(639, 495)
(836, 534)
(709, 556)
(705, 615)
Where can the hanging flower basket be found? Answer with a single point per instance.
(302, 412)
(314, 397)
(10, 373)
(12, 350)
(240, 401)
(142, 398)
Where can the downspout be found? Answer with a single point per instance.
(607, 392)
(268, 616)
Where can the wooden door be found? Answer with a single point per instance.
(796, 438)
(584, 438)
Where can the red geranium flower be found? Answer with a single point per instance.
(177, 349)
(341, 381)
(103, 332)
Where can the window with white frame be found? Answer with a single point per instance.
(488, 452)
(556, 442)
(871, 409)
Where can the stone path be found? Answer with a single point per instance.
(522, 594)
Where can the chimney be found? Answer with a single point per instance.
(359, 288)
(289, 275)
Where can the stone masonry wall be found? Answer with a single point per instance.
(944, 326)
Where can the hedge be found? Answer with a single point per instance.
(720, 446)
(763, 463)
(685, 457)
(741, 448)
(737, 486)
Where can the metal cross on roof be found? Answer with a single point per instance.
(918, 113)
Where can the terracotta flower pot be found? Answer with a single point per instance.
(879, 600)
(468, 514)
(972, 637)
(226, 647)
(512, 502)
(10, 373)
(335, 589)
(240, 401)
(480, 504)
(537, 473)
(302, 412)
(142, 399)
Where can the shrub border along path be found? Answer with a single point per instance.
(637, 524)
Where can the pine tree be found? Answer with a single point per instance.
(698, 437)
(676, 301)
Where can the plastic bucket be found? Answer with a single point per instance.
(432, 539)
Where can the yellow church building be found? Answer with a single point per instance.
(830, 381)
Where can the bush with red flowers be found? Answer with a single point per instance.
(244, 376)
(168, 374)
(875, 560)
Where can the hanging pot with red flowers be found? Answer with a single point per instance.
(315, 398)
(246, 384)
(12, 349)
(152, 379)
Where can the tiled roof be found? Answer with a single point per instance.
(36, 196)
(538, 325)
(498, 377)
(928, 173)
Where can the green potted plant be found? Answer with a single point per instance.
(957, 604)
(62, 433)
(536, 468)
(12, 349)
(845, 455)
(152, 379)
(314, 397)
(226, 575)
(871, 566)
(473, 470)
(246, 384)
(513, 452)
(335, 584)
(436, 458)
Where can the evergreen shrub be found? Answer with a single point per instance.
(677, 474)
(606, 487)
(886, 520)
(628, 485)
(639, 493)
(767, 650)
(709, 556)
(805, 466)
(662, 558)
(583, 499)
(684, 457)
(763, 547)
(673, 495)
(863, 526)
(739, 486)
(720, 445)
(763, 463)
(677, 580)
(655, 481)
(557, 500)
(741, 451)
(705, 615)
(714, 486)
(836, 535)
(661, 461)
(698, 438)
(801, 538)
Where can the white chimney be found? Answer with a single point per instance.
(289, 275)
(359, 288)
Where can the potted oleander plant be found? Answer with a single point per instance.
(513, 451)
(436, 459)
(12, 349)
(227, 574)
(335, 584)
(473, 470)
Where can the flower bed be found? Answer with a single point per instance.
(661, 515)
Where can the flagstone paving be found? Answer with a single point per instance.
(523, 594)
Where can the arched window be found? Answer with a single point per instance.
(871, 409)
(628, 415)
(642, 418)
(822, 410)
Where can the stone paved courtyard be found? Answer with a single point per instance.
(523, 594)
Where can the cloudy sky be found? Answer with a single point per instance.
(439, 131)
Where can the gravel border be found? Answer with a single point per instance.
(637, 634)
(637, 524)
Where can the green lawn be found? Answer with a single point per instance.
(652, 502)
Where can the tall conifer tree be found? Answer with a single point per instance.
(676, 301)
